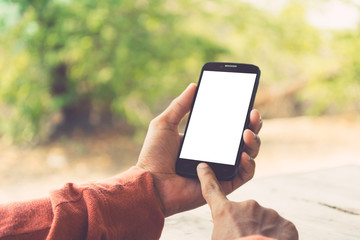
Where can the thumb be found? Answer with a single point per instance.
(180, 106)
(210, 187)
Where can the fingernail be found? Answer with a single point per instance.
(202, 165)
(248, 158)
(255, 136)
(190, 85)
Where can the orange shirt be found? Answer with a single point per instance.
(123, 207)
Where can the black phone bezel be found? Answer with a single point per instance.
(187, 167)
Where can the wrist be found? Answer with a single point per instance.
(156, 191)
(158, 197)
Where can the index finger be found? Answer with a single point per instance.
(210, 187)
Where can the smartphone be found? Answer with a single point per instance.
(219, 115)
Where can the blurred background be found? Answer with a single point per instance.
(81, 79)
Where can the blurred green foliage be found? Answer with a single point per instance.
(126, 59)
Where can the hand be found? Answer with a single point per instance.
(160, 149)
(239, 219)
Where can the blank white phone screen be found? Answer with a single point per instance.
(218, 117)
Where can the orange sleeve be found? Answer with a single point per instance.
(123, 207)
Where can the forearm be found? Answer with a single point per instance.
(26, 220)
(123, 207)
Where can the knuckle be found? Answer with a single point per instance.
(289, 226)
(160, 122)
(228, 208)
(156, 122)
(211, 186)
(274, 215)
(252, 204)
(289, 231)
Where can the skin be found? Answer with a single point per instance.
(234, 220)
(160, 149)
